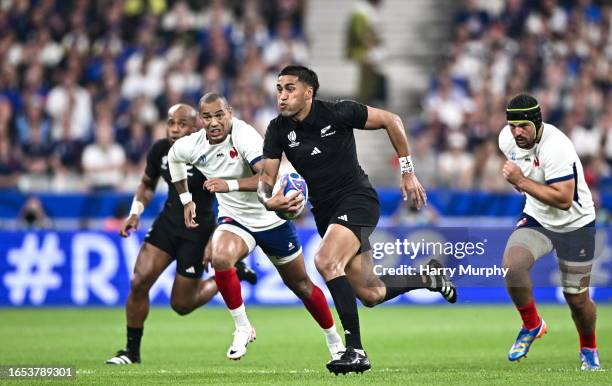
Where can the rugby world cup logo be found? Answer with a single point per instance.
(292, 137)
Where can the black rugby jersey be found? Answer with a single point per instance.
(322, 148)
(157, 166)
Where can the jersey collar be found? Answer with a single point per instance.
(310, 118)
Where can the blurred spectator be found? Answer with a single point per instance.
(70, 104)
(66, 162)
(183, 78)
(36, 151)
(424, 157)
(103, 160)
(9, 165)
(6, 118)
(474, 18)
(144, 75)
(293, 10)
(364, 46)
(137, 147)
(285, 46)
(456, 165)
(449, 102)
(33, 118)
(488, 166)
(32, 215)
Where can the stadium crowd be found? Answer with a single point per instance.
(560, 51)
(85, 86)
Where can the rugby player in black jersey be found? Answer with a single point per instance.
(169, 239)
(317, 138)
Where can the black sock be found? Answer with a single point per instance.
(133, 340)
(399, 284)
(346, 306)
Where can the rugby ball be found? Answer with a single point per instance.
(294, 182)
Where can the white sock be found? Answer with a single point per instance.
(240, 317)
(331, 335)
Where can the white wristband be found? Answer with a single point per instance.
(406, 165)
(233, 185)
(137, 208)
(185, 198)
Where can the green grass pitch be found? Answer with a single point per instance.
(406, 345)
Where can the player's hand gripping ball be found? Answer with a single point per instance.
(294, 183)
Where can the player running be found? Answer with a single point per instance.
(228, 153)
(169, 239)
(317, 138)
(559, 214)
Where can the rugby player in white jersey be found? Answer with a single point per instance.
(559, 214)
(228, 152)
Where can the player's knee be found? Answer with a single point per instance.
(327, 265)
(140, 284)
(370, 298)
(301, 288)
(222, 261)
(517, 260)
(577, 301)
(181, 307)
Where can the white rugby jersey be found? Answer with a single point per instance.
(231, 160)
(551, 160)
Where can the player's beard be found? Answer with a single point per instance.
(525, 143)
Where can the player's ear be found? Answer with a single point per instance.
(309, 91)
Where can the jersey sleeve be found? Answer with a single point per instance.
(351, 114)
(503, 141)
(273, 147)
(178, 158)
(559, 164)
(249, 143)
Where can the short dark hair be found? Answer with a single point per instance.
(304, 74)
(211, 97)
(522, 101)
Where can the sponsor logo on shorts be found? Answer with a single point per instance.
(190, 270)
(290, 246)
(343, 217)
